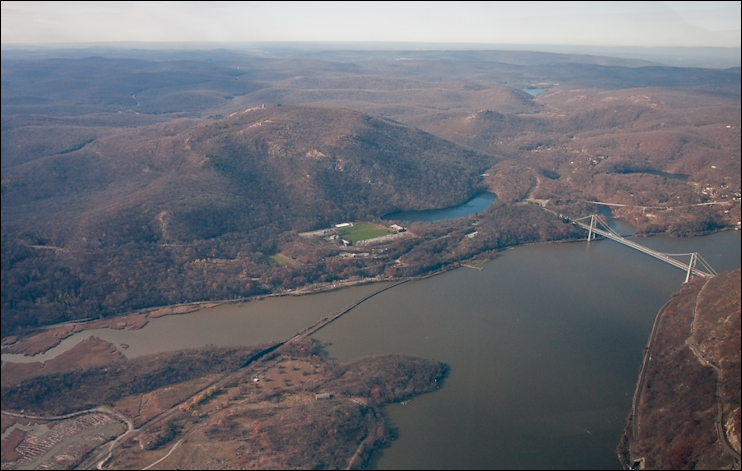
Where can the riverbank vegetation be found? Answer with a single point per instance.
(291, 408)
(200, 196)
(107, 281)
(76, 389)
(696, 339)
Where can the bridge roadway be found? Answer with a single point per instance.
(641, 248)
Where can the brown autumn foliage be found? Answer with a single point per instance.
(274, 423)
(677, 408)
(152, 184)
(73, 389)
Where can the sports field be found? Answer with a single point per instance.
(363, 231)
(281, 259)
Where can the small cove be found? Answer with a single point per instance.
(544, 346)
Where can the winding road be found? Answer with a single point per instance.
(693, 346)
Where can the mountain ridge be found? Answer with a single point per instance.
(326, 163)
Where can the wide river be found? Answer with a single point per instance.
(544, 346)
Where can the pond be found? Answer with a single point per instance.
(479, 203)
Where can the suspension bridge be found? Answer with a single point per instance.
(598, 226)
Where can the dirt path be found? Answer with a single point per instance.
(164, 457)
(533, 189)
(357, 453)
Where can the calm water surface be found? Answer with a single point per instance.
(248, 323)
(477, 204)
(544, 347)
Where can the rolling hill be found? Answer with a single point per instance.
(292, 168)
(120, 221)
(133, 178)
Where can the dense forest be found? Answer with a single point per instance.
(693, 363)
(110, 280)
(168, 181)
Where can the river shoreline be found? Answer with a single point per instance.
(137, 319)
(131, 320)
(560, 343)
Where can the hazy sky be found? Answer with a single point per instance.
(572, 23)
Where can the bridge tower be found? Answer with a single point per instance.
(590, 234)
(691, 266)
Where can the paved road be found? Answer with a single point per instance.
(694, 347)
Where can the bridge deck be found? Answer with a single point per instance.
(646, 250)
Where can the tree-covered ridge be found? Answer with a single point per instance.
(121, 223)
(201, 171)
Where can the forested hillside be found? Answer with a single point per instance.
(142, 179)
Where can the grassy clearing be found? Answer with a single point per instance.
(363, 231)
(281, 260)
